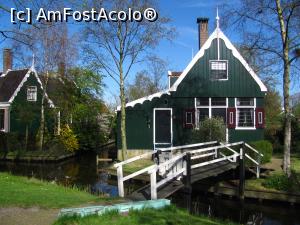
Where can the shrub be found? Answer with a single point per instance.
(68, 138)
(264, 147)
(281, 182)
(11, 142)
(211, 129)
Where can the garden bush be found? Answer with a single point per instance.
(282, 182)
(264, 147)
(68, 138)
(211, 129)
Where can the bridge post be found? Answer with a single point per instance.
(242, 172)
(120, 181)
(153, 185)
(188, 182)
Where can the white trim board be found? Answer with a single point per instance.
(141, 100)
(218, 34)
(30, 70)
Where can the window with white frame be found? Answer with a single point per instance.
(2, 118)
(188, 118)
(245, 112)
(210, 107)
(260, 118)
(31, 93)
(218, 69)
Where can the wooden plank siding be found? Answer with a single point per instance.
(197, 83)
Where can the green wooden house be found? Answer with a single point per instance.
(218, 82)
(20, 97)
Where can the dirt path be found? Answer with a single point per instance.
(275, 164)
(28, 216)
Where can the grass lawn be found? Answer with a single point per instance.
(167, 216)
(258, 184)
(137, 165)
(24, 192)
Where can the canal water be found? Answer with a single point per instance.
(82, 172)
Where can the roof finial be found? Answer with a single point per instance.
(217, 18)
(33, 60)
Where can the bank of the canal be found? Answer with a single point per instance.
(23, 198)
(83, 172)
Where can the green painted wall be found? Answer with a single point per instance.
(197, 83)
(25, 112)
(239, 84)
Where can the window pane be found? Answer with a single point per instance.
(1, 119)
(218, 101)
(219, 113)
(245, 102)
(245, 117)
(202, 102)
(218, 70)
(31, 93)
(202, 114)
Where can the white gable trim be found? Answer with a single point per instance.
(141, 100)
(218, 34)
(32, 69)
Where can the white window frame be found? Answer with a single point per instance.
(209, 107)
(260, 118)
(186, 118)
(34, 95)
(6, 122)
(3, 129)
(154, 141)
(245, 107)
(231, 121)
(216, 60)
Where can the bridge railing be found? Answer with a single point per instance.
(256, 162)
(180, 163)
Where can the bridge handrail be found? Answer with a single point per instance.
(215, 147)
(187, 146)
(215, 160)
(130, 160)
(254, 150)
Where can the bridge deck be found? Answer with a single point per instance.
(175, 185)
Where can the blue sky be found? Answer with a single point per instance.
(177, 53)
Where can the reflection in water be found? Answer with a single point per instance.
(243, 212)
(82, 172)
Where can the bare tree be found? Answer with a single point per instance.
(116, 47)
(271, 27)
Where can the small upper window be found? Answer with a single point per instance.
(245, 102)
(202, 102)
(31, 93)
(218, 101)
(218, 70)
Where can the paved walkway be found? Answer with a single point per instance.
(28, 216)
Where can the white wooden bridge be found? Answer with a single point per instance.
(181, 166)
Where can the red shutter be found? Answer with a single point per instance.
(260, 118)
(231, 118)
(186, 122)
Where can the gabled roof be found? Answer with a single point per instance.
(9, 82)
(218, 34)
(12, 81)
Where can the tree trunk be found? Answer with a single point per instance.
(286, 91)
(42, 125)
(287, 121)
(123, 117)
(26, 137)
